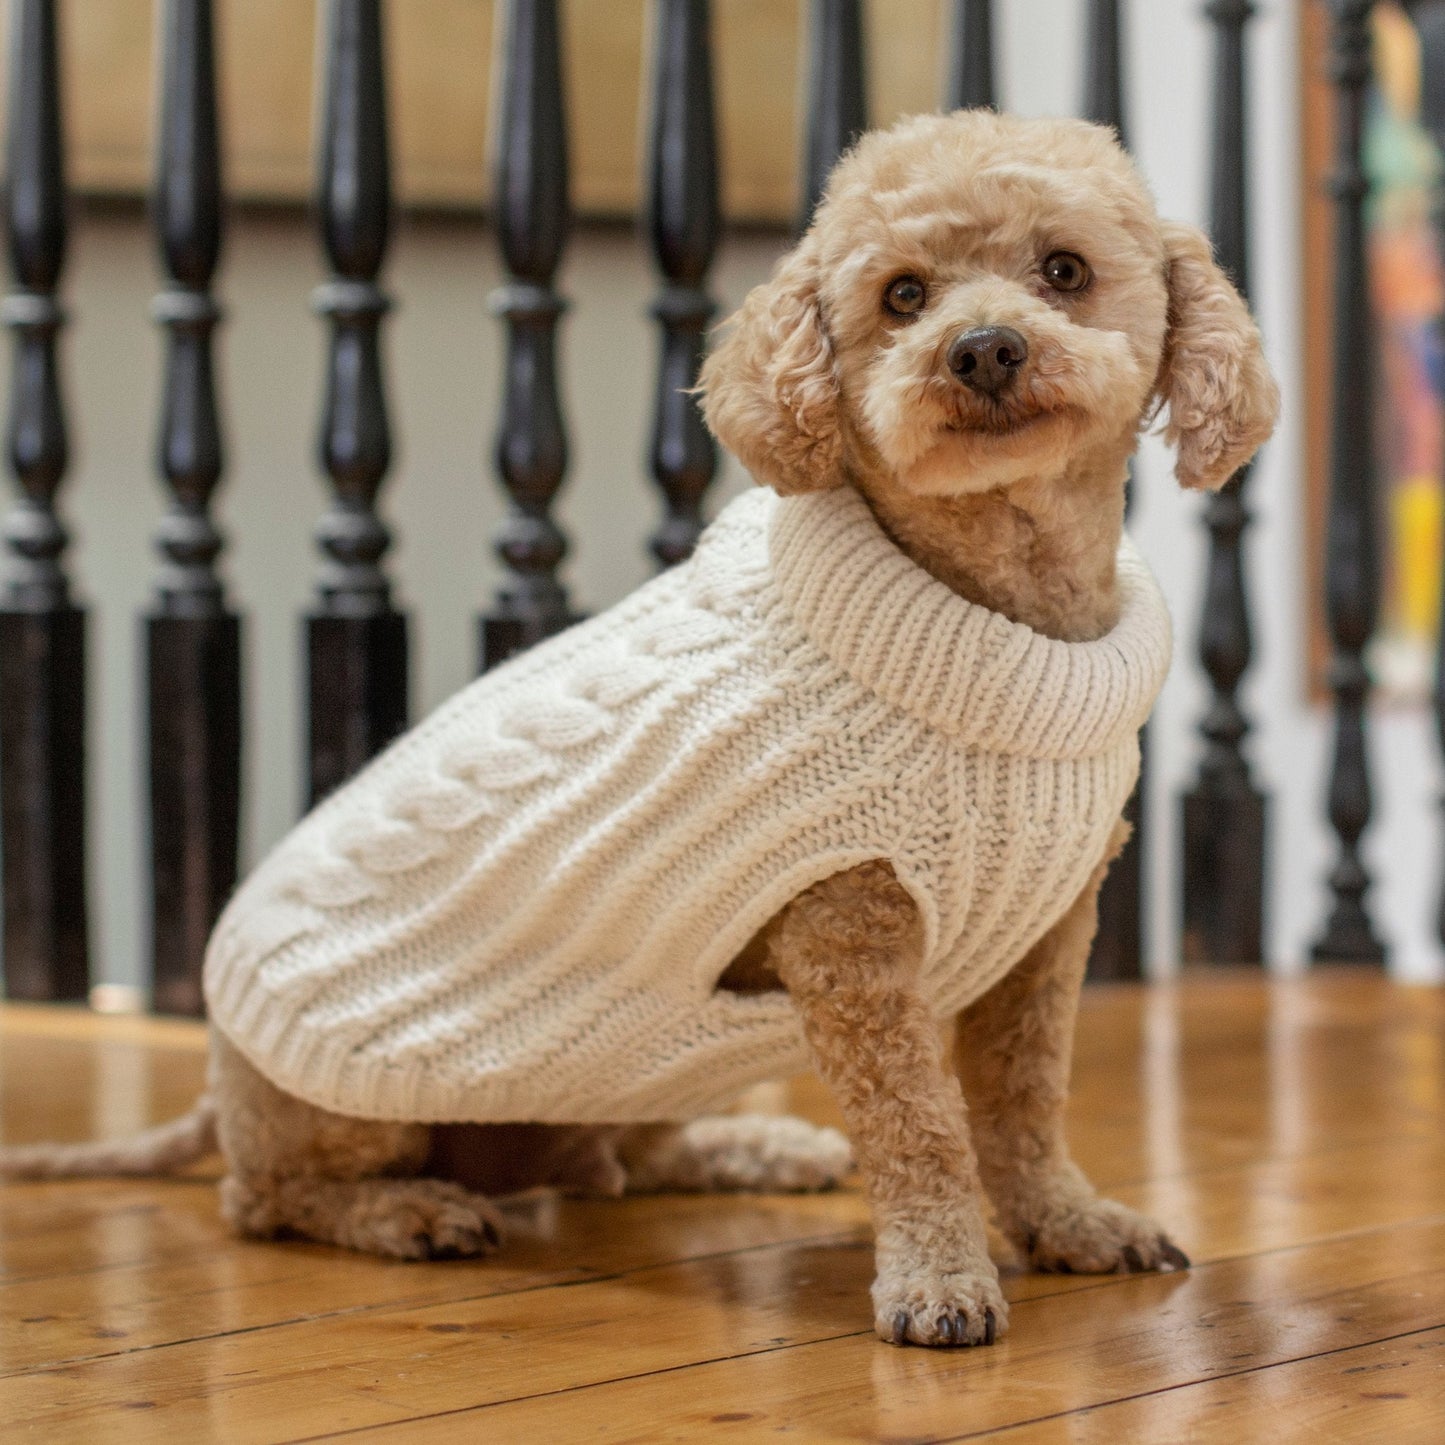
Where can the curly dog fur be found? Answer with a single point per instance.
(1013, 497)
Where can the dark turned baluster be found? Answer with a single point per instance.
(42, 632)
(1104, 68)
(356, 641)
(1118, 950)
(193, 638)
(684, 224)
(970, 63)
(1429, 17)
(531, 216)
(1223, 815)
(1351, 548)
(837, 94)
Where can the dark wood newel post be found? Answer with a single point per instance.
(1352, 584)
(193, 638)
(356, 639)
(1224, 814)
(837, 94)
(1118, 950)
(42, 631)
(532, 215)
(970, 80)
(684, 224)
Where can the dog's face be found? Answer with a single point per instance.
(979, 298)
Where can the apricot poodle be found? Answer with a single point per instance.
(981, 319)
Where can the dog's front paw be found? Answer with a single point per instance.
(1099, 1236)
(425, 1219)
(928, 1308)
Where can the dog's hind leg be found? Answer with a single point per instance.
(741, 1152)
(400, 1218)
(1013, 1050)
(296, 1169)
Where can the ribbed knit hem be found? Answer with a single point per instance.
(962, 669)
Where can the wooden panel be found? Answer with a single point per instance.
(771, 1331)
(1259, 1120)
(53, 1314)
(1374, 1395)
(1069, 1352)
(441, 58)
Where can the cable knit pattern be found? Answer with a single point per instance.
(521, 909)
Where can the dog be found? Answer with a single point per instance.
(960, 354)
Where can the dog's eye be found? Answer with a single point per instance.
(1065, 271)
(905, 296)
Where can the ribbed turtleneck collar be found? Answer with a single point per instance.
(959, 667)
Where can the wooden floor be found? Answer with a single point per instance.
(1293, 1137)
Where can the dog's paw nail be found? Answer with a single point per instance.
(946, 1309)
(1174, 1257)
(462, 1248)
(1133, 1261)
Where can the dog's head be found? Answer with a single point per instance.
(977, 298)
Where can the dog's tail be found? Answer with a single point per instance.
(168, 1146)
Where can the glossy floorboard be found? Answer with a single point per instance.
(1292, 1136)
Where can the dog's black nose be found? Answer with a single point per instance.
(988, 357)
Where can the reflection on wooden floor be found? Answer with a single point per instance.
(1292, 1137)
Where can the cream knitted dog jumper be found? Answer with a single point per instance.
(521, 909)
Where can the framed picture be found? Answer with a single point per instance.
(1408, 300)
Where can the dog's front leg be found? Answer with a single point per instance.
(848, 952)
(1013, 1050)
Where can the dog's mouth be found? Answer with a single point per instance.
(1001, 423)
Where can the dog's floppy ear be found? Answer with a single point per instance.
(769, 390)
(1214, 380)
